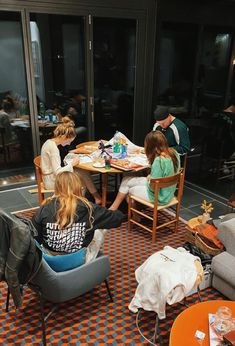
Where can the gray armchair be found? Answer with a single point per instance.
(58, 287)
(223, 265)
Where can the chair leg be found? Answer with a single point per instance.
(40, 197)
(154, 225)
(108, 289)
(155, 335)
(8, 299)
(129, 214)
(199, 294)
(42, 317)
(177, 212)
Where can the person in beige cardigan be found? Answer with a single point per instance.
(64, 134)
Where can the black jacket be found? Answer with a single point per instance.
(80, 233)
(19, 256)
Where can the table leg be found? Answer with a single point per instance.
(104, 188)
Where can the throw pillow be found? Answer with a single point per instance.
(62, 263)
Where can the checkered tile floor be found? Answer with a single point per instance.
(92, 319)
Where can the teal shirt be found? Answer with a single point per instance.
(162, 167)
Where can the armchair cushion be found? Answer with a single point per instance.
(226, 233)
(60, 287)
(62, 263)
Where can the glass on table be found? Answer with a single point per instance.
(223, 321)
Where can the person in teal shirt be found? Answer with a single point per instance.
(164, 161)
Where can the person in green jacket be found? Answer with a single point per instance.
(174, 129)
(164, 162)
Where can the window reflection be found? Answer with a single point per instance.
(176, 66)
(213, 71)
(59, 70)
(15, 129)
(114, 75)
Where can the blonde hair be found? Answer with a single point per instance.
(155, 144)
(66, 129)
(68, 192)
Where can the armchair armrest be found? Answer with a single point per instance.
(226, 234)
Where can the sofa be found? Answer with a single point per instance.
(223, 265)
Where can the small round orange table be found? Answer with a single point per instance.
(195, 318)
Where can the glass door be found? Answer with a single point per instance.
(114, 64)
(16, 154)
(58, 56)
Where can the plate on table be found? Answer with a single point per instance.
(98, 164)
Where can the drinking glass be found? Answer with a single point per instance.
(223, 321)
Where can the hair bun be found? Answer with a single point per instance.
(67, 121)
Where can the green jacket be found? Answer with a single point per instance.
(177, 135)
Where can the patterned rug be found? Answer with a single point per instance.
(92, 319)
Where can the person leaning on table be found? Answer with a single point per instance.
(64, 134)
(175, 130)
(164, 162)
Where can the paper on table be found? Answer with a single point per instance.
(214, 339)
(130, 144)
(139, 160)
(82, 158)
(85, 159)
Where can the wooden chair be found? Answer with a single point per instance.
(40, 189)
(156, 184)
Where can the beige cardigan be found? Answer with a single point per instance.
(51, 163)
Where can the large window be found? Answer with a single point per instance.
(59, 70)
(114, 75)
(213, 69)
(16, 152)
(177, 56)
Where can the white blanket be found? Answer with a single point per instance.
(165, 277)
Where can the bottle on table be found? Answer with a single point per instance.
(107, 162)
(123, 147)
(116, 143)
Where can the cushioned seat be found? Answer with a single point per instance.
(59, 287)
(62, 286)
(223, 265)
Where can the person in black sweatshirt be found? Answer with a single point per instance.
(67, 220)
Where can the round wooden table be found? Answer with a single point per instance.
(195, 318)
(89, 148)
(104, 173)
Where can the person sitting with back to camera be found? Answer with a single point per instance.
(164, 162)
(66, 222)
(174, 129)
(64, 134)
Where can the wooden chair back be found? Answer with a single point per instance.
(177, 179)
(38, 172)
(155, 208)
